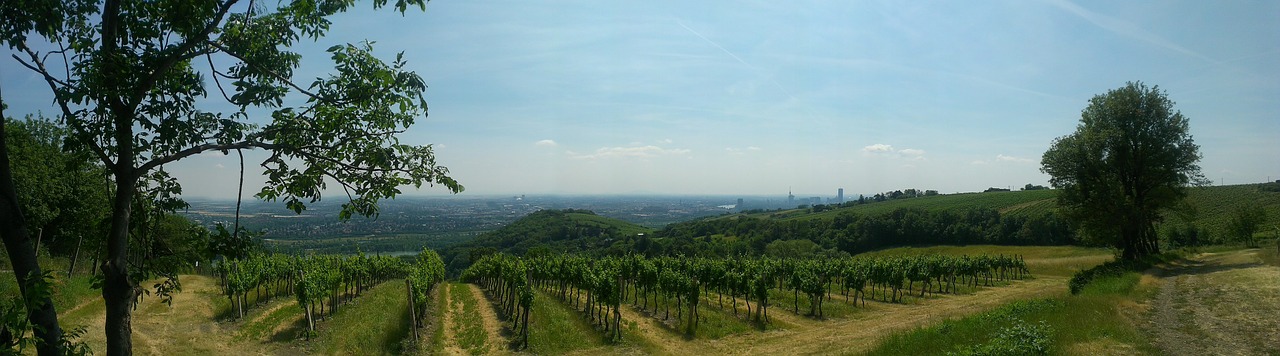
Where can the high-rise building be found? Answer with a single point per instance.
(791, 198)
(840, 196)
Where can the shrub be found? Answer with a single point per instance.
(1021, 338)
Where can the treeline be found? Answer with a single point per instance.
(852, 233)
(540, 232)
(847, 233)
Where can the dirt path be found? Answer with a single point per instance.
(859, 333)
(492, 326)
(189, 327)
(851, 335)
(1216, 304)
(450, 337)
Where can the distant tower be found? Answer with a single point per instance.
(739, 206)
(840, 196)
(791, 198)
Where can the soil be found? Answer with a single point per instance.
(1216, 304)
(852, 335)
(492, 326)
(450, 341)
(188, 327)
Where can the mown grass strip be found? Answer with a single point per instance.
(555, 328)
(468, 326)
(376, 323)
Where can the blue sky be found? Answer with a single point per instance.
(750, 98)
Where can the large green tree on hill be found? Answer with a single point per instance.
(138, 82)
(1130, 158)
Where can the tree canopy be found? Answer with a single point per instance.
(132, 81)
(1131, 157)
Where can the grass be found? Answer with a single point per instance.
(468, 326)
(713, 322)
(1041, 260)
(1091, 322)
(436, 325)
(376, 323)
(257, 328)
(1270, 253)
(555, 328)
(1014, 203)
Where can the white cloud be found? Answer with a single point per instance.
(545, 143)
(878, 148)
(888, 150)
(911, 152)
(220, 166)
(665, 141)
(1003, 158)
(638, 152)
(739, 151)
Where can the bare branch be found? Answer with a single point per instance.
(39, 67)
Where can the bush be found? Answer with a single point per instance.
(1115, 269)
(1019, 339)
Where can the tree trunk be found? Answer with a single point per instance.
(117, 289)
(75, 256)
(22, 255)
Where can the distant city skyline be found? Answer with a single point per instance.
(758, 99)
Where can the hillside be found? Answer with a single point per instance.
(1213, 208)
(1002, 218)
(1028, 202)
(544, 231)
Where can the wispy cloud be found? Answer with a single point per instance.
(739, 59)
(739, 151)
(1004, 158)
(634, 152)
(546, 143)
(1124, 28)
(881, 149)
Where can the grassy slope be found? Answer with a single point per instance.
(626, 228)
(376, 323)
(1093, 322)
(555, 328)
(1214, 206)
(1020, 202)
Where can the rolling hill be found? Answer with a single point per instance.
(544, 231)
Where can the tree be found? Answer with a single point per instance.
(1130, 158)
(1246, 221)
(129, 79)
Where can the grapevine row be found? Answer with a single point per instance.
(599, 285)
(321, 283)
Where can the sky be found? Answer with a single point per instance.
(761, 97)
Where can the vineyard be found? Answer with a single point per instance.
(321, 283)
(598, 287)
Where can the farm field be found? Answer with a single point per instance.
(201, 319)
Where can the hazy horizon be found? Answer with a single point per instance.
(718, 99)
